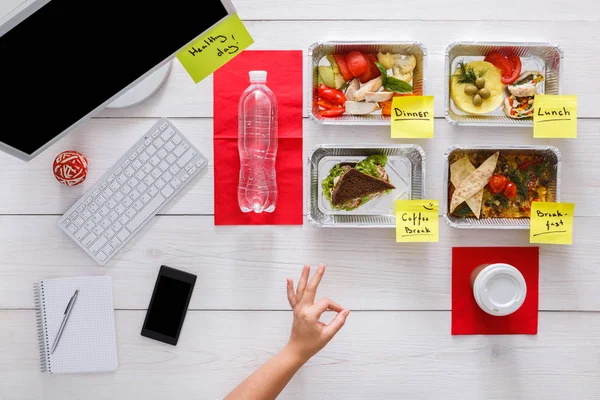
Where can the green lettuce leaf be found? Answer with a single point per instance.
(327, 183)
(369, 165)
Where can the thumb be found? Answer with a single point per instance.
(336, 324)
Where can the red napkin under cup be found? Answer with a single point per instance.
(467, 317)
(284, 78)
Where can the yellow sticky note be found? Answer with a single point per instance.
(412, 117)
(555, 116)
(215, 48)
(417, 221)
(551, 223)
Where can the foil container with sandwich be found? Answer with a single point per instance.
(501, 197)
(357, 186)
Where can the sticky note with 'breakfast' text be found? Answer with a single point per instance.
(417, 221)
(555, 116)
(215, 48)
(551, 223)
(412, 117)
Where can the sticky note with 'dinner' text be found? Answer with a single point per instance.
(551, 223)
(555, 116)
(412, 117)
(417, 221)
(215, 48)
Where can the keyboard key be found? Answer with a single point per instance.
(162, 153)
(187, 157)
(112, 216)
(126, 189)
(89, 239)
(142, 187)
(147, 168)
(89, 225)
(122, 179)
(82, 207)
(103, 186)
(181, 149)
(93, 207)
(175, 183)
(184, 177)
(171, 158)
(115, 186)
(111, 203)
(108, 249)
(154, 161)
(123, 219)
(167, 176)
(115, 242)
(66, 222)
(160, 184)
(123, 235)
(111, 178)
(133, 182)
(117, 226)
(79, 221)
(145, 198)
(118, 196)
(98, 244)
(158, 143)
(140, 149)
(86, 214)
(132, 156)
(120, 209)
(148, 140)
(130, 213)
(167, 134)
(107, 193)
(88, 201)
(100, 200)
(134, 194)
(138, 205)
(98, 230)
(96, 193)
(189, 166)
(144, 157)
(146, 212)
(129, 172)
(125, 163)
(199, 163)
(163, 165)
(155, 134)
(156, 173)
(105, 223)
(167, 191)
(174, 169)
(169, 146)
(104, 210)
(118, 171)
(97, 218)
(101, 256)
(136, 164)
(72, 228)
(152, 191)
(164, 126)
(81, 233)
(151, 150)
(73, 215)
(192, 170)
(127, 202)
(176, 139)
(141, 174)
(109, 233)
(149, 180)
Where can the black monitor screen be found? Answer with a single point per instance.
(71, 56)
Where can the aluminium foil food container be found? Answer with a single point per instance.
(545, 57)
(319, 50)
(550, 153)
(405, 167)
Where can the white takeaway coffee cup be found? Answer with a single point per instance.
(499, 289)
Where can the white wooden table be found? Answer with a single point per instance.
(396, 343)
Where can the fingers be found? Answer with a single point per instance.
(336, 324)
(302, 283)
(311, 289)
(290, 293)
(327, 304)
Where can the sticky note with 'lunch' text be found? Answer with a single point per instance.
(551, 223)
(412, 117)
(555, 116)
(417, 221)
(215, 48)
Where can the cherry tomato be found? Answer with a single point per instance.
(336, 96)
(516, 65)
(358, 64)
(328, 104)
(333, 113)
(497, 183)
(340, 60)
(510, 190)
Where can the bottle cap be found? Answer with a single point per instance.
(258, 76)
(500, 289)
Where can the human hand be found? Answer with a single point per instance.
(309, 335)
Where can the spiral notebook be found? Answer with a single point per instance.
(89, 340)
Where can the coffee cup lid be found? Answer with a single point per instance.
(500, 289)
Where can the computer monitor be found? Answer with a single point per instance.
(63, 61)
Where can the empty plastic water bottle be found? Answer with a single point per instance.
(257, 144)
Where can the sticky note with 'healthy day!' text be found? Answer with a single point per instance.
(412, 117)
(551, 223)
(215, 48)
(417, 221)
(555, 116)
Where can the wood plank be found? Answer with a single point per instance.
(421, 11)
(30, 188)
(245, 267)
(180, 97)
(377, 355)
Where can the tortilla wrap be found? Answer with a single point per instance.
(475, 182)
(459, 171)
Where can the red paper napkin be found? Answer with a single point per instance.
(467, 317)
(284, 70)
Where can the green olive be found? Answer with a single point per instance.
(480, 83)
(471, 90)
(484, 93)
(477, 100)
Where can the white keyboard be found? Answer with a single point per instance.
(137, 186)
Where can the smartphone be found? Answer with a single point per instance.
(168, 305)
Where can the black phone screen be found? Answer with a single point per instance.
(168, 306)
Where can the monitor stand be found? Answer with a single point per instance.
(143, 90)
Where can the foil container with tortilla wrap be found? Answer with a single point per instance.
(550, 153)
(319, 50)
(543, 57)
(405, 167)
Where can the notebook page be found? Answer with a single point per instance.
(88, 342)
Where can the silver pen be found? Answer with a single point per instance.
(64, 321)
